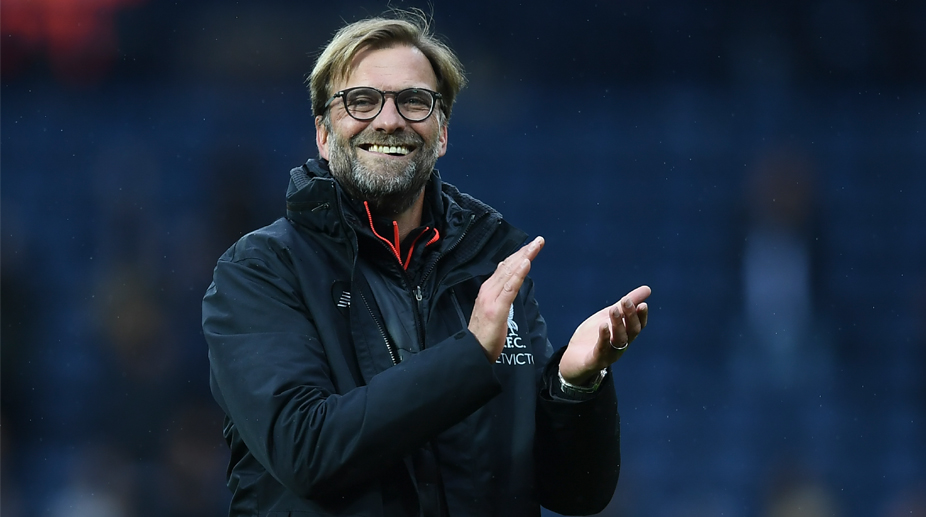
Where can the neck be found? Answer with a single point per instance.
(411, 217)
(406, 220)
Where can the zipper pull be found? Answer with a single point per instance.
(418, 293)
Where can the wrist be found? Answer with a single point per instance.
(583, 379)
(590, 385)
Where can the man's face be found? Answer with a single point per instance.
(357, 151)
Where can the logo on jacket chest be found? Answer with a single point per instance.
(515, 351)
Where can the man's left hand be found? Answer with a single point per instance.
(604, 337)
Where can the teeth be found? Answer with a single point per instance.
(389, 149)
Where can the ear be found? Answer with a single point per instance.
(442, 140)
(321, 136)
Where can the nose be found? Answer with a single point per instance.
(389, 120)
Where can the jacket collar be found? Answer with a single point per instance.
(315, 200)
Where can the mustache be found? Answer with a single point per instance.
(394, 139)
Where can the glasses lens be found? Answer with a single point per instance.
(363, 102)
(415, 104)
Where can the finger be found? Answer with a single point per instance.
(511, 286)
(528, 251)
(512, 263)
(619, 336)
(631, 320)
(639, 294)
(502, 272)
(643, 314)
(604, 338)
(534, 247)
(493, 284)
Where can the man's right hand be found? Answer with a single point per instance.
(489, 322)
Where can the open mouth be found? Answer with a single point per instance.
(391, 150)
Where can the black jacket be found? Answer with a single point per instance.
(353, 387)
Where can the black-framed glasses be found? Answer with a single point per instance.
(365, 102)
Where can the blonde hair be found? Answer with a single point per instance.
(410, 28)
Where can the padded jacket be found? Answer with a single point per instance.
(351, 386)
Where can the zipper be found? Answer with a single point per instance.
(456, 305)
(406, 282)
(416, 290)
(389, 346)
(424, 278)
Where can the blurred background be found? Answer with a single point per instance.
(761, 165)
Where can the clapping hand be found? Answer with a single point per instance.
(604, 337)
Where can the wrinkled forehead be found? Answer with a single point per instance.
(392, 65)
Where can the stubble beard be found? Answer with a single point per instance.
(392, 188)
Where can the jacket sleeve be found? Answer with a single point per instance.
(577, 443)
(270, 375)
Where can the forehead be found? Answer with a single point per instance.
(391, 68)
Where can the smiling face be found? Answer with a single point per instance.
(387, 160)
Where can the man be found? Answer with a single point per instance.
(379, 351)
